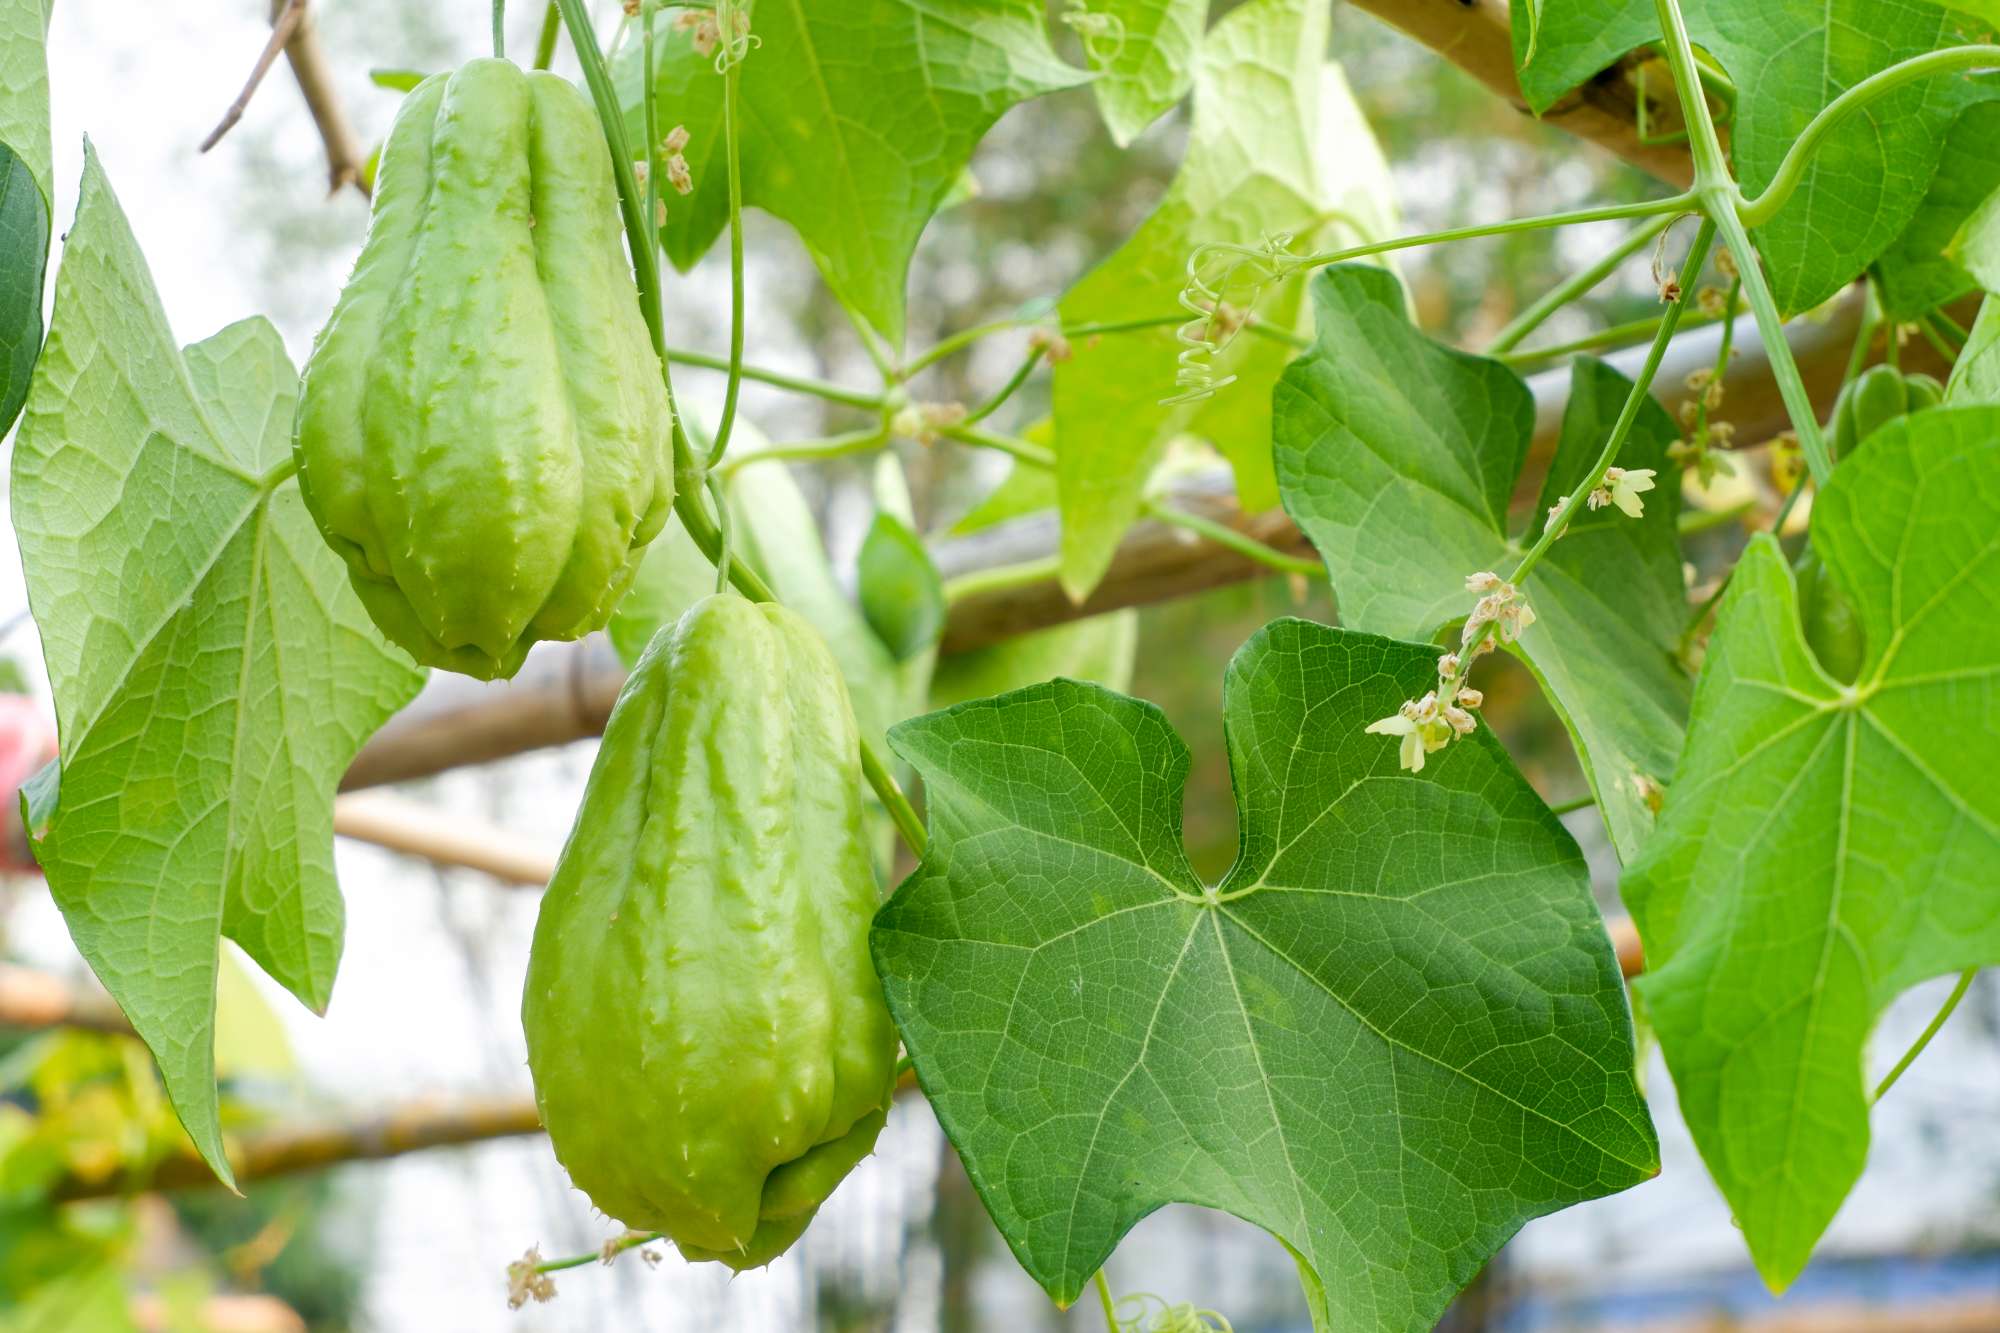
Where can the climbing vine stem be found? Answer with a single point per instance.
(499, 29)
(545, 44)
(689, 481)
(732, 77)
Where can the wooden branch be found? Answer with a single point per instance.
(1475, 35)
(281, 32)
(345, 156)
(31, 1000)
(290, 1150)
(443, 838)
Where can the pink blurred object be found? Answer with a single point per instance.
(27, 742)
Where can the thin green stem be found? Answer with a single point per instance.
(1009, 389)
(545, 44)
(1771, 328)
(725, 525)
(731, 79)
(1924, 1038)
(1001, 577)
(1756, 212)
(1095, 327)
(1573, 504)
(688, 479)
(1939, 343)
(1950, 327)
(1579, 803)
(1570, 288)
(1225, 536)
(1105, 1299)
(957, 342)
(1617, 335)
(1864, 333)
(812, 451)
(901, 812)
(499, 29)
(832, 393)
(616, 1247)
(1675, 204)
(1026, 451)
(871, 343)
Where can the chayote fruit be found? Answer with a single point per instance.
(484, 434)
(709, 1042)
(1876, 397)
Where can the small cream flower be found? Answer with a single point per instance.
(1422, 726)
(1626, 486)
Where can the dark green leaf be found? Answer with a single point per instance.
(1915, 272)
(1391, 1035)
(1788, 59)
(1397, 457)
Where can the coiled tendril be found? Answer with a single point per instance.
(1152, 1314)
(1103, 35)
(1213, 270)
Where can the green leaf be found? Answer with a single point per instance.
(1393, 1034)
(1145, 63)
(1977, 244)
(213, 672)
(1975, 376)
(1101, 649)
(1916, 274)
(25, 192)
(396, 80)
(1788, 59)
(1986, 11)
(1277, 144)
(901, 594)
(858, 120)
(24, 89)
(1826, 847)
(1397, 457)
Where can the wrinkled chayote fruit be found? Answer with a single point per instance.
(709, 1042)
(483, 434)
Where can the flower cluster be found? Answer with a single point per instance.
(527, 1282)
(1500, 605)
(705, 26)
(926, 422)
(1427, 725)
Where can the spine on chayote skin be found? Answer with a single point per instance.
(709, 1041)
(484, 433)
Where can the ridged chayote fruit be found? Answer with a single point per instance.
(484, 435)
(709, 1042)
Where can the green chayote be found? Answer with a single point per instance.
(1876, 397)
(709, 1042)
(484, 435)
